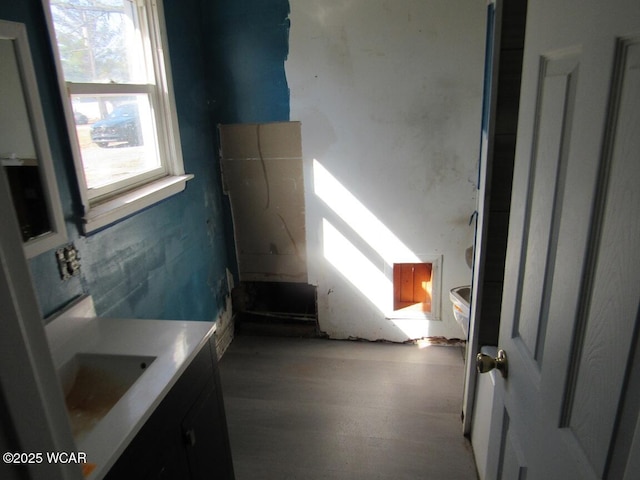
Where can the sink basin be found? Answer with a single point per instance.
(93, 384)
(460, 299)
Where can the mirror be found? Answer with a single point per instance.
(24, 145)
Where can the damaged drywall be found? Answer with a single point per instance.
(168, 261)
(389, 97)
(262, 174)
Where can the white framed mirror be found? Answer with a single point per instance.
(24, 145)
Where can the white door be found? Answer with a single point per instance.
(572, 285)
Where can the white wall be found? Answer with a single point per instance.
(389, 96)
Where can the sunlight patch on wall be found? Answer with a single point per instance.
(359, 218)
(356, 268)
(371, 272)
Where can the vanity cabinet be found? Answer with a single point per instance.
(186, 436)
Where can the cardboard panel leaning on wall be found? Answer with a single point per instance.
(263, 176)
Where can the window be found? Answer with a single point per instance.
(121, 114)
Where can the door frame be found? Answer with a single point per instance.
(626, 415)
(492, 61)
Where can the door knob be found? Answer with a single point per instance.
(485, 363)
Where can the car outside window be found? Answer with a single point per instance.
(111, 58)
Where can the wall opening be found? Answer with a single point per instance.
(412, 287)
(276, 308)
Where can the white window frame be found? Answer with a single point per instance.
(103, 208)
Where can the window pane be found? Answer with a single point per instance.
(117, 140)
(99, 41)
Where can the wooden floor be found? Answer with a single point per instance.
(325, 409)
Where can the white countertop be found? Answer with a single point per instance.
(173, 343)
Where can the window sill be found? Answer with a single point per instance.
(106, 213)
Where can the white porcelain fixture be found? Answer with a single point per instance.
(461, 298)
(129, 366)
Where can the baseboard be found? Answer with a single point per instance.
(225, 329)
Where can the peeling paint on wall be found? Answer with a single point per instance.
(389, 98)
(169, 261)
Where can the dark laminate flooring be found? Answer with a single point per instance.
(300, 408)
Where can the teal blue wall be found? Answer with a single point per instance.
(247, 42)
(169, 261)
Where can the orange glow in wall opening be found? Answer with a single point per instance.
(412, 286)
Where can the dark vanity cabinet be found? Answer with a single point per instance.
(186, 436)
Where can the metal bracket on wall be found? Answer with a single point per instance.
(68, 261)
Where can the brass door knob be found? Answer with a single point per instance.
(485, 363)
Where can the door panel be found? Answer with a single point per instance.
(555, 101)
(572, 284)
(511, 457)
(615, 289)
